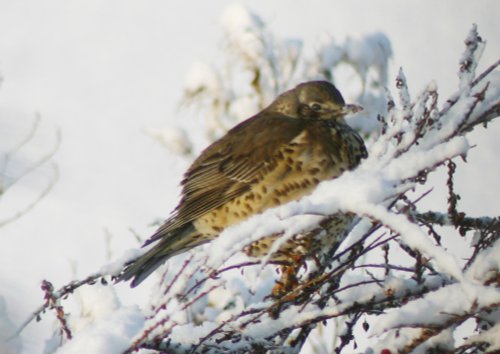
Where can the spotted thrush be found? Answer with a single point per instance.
(278, 155)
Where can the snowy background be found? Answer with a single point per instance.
(106, 73)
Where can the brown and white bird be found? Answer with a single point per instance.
(274, 157)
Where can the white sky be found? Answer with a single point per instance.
(103, 71)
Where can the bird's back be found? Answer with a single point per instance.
(276, 156)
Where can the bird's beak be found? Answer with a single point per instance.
(351, 109)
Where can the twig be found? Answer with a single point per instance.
(56, 296)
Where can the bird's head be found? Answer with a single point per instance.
(314, 99)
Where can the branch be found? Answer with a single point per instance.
(56, 296)
(468, 223)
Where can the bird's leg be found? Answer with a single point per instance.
(288, 280)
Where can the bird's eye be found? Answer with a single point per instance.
(316, 107)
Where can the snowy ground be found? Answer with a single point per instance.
(105, 72)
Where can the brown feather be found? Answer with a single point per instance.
(278, 155)
(226, 169)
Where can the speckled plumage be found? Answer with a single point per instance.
(274, 157)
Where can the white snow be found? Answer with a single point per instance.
(201, 77)
(491, 335)
(102, 325)
(109, 335)
(242, 28)
(417, 313)
(372, 50)
(237, 18)
(104, 73)
(488, 265)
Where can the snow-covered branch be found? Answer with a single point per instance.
(388, 277)
(416, 138)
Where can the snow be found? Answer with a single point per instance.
(493, 94)
(374, 49)
(237, 18)
(416, 313)
(185, 334)
(103, 325)
(201, 77)
(106, 335)
(488, 265)
(492, 336)
(105, 74)
(468, 64)
(116, 266)
(242, 26)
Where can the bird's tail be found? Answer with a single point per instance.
(166, 247)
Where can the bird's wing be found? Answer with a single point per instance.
(228, 167)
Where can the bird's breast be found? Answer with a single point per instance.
(347, 148)
(320, 153)
(293, 171)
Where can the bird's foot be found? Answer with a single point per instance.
(289, 280)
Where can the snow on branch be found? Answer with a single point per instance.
(259, 66)
(417, 139)
(386, 284)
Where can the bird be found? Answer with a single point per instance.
(276, 156)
